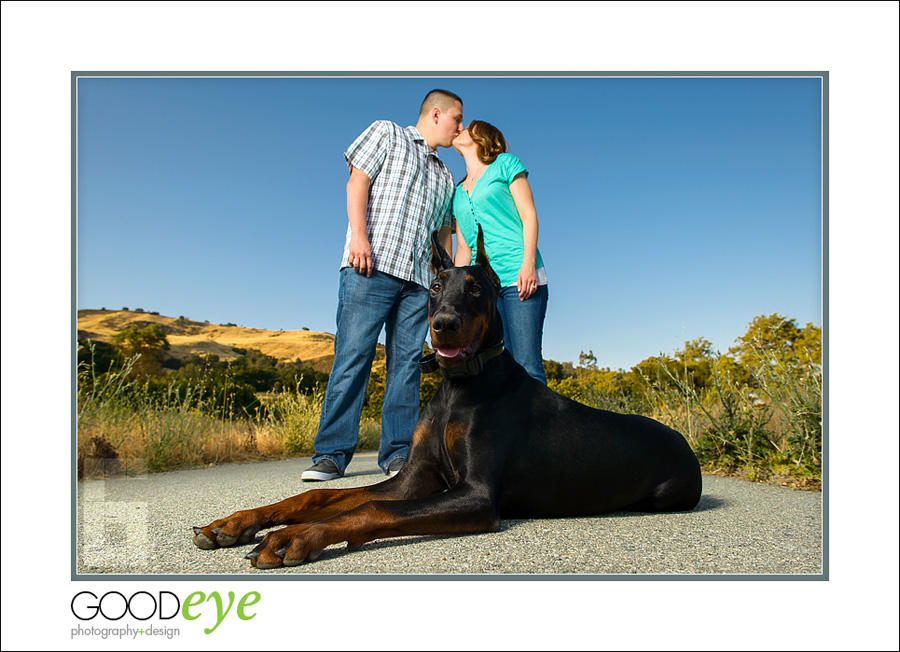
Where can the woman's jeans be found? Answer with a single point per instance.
(365, 305)
(523, 327)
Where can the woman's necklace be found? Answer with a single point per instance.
(471, 178)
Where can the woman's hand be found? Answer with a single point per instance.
(527, 282)
(521, 192)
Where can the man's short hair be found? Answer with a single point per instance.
(442, 99)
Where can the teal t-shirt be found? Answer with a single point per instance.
(491, 205)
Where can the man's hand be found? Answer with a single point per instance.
(357, 201)
(361, 254)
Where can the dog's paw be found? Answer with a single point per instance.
(290, 546)
(238, 529)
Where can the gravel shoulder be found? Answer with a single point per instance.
(142, 527)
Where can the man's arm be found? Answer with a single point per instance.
(357, 202)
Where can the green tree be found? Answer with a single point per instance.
(696, 361)
(777, 337)
(256, 359)
(304, 380)
(99, 356)
(657, 369)
(149, 342)
(429, 387)
(589, 384)
(554, 371)
(374, 400)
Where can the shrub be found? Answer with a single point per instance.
(794, 391)
(724, 423)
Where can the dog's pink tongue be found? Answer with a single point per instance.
(448, 351)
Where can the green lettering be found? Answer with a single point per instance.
(220, 615)
(190, 602)
(246, 603)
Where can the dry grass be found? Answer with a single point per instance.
(115, 441)
(112, 444)
(123, 428)
(292, 419)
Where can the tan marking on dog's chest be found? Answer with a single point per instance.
(420, 433)
(454, 435)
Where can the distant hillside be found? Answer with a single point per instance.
(187, 337)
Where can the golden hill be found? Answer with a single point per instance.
(187, 337)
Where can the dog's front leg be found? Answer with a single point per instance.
(461, 510)
(314, 505)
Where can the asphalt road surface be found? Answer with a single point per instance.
(142, 526)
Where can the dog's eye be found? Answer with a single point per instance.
(475, 289)
(435, 287)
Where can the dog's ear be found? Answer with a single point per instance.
(481, 259)
(440, 259)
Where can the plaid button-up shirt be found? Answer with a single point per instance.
(410, 196)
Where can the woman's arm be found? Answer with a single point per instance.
(445, 235)
(463, 254)
(521, 193)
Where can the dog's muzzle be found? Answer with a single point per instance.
(471, 367)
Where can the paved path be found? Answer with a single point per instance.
(143, 526)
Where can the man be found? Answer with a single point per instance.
(398, 193)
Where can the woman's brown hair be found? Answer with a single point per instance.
(489, 140)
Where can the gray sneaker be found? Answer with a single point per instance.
(394, 467)
(321, 471)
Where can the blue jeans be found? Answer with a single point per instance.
(523, 328)
(365, 305)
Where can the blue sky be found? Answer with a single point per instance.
(669, 208)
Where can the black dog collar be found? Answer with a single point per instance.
(471, 367)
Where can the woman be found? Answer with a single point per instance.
(495, 194)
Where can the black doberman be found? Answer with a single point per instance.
(493, 443)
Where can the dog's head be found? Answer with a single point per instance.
(462, 306)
